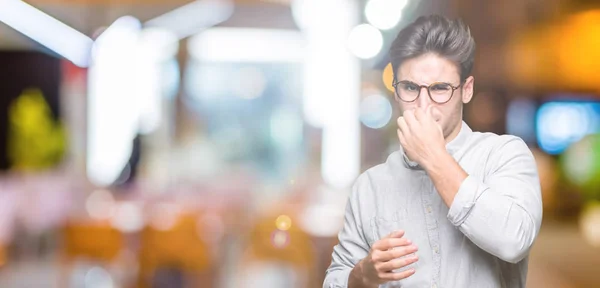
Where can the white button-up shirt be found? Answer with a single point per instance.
(482, 240)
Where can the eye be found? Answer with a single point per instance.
(411, 87)
(440, 87)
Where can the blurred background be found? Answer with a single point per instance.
(155, 143)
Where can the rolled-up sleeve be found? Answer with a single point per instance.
(502, 215)
(352, 246)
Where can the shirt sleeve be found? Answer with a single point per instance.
(502, 215)
(352, 246)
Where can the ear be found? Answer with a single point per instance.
(467, 90)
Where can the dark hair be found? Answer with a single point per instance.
(437, 34)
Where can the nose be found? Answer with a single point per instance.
(424, 100)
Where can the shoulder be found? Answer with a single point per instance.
(508, 146)
(504, 143)
(387, 171)
(373, 179)
(503, 152)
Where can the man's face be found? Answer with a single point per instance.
(430, 68)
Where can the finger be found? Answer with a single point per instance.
(409, 116)
(391, 276)
(428, 110)
(397, 252)
(401, 138)
(420, 114)
(392, 254)
(397, 263)
(389, 243)
(403, 126)
(411, 121)
(396, 234)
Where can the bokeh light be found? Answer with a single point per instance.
(280, 239)
(164, 216)
(249, 83)
(322, 220)
(375, 111)
(98, 277)
(159, 44)
(589, 223)
(388, 77)
(384, 14)
(211, 227)
(520, 119)
(286, 128)
(128, 217)
(559, 124)
(100, 205)
(365, 41)
(581, 164)
(283, 222)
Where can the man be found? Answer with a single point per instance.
(452, 207)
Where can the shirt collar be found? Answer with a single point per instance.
(452, 147)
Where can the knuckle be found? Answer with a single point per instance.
(388, 242)
(376, 244)
(373, 258)
(375, 247)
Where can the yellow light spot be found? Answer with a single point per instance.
(280, 239)
(388, 77)
(36, 140)
(589, 223)
(283, 222)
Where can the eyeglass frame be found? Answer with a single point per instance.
(396, 82)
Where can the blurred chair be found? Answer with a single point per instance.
(276, 239)
(93, 240)
(178, 249)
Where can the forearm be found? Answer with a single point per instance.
(446, 175)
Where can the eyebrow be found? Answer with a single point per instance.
(413, 82)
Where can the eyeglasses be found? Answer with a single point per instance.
(439, 92)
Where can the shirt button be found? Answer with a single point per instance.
(436, 250)
(433, 285)
(428, 209)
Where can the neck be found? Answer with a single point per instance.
(454, 132)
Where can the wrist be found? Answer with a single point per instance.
(436, 158)
(357, 277)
